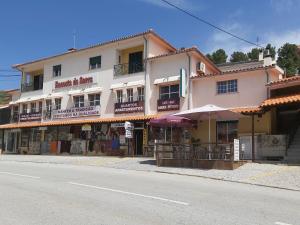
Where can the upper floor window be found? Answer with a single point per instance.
(94, 99)
(141, 93)
(228, 86)
(15, 110)
(24, 108)
(38, 82)
(130, 95)
(40, 106)
(33, 107)
(169, 92)
(79, 101)
(57, 71)
(95, 62)
(48, 105)
(119, 96)
(57, 103)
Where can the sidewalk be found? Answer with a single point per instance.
(274, 175)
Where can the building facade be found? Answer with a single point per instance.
(77, 102)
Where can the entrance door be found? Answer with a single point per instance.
(138, 136)
(135, 62)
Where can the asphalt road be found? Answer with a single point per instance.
(41, 193)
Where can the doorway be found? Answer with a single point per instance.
(135, 62)
(138, 136)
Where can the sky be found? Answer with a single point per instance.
(33, 29)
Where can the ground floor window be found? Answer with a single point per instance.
(57, 103)
(227, 131)
(78, 101)
(94, 99)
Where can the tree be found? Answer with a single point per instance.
(218, 56)
(289, 58)
(272, 50)
(238, 57)
(4, 98)
(253, 55)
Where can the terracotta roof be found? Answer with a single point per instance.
(75, 122)
(202, 75)
(229, 67)
(185, 50)
(284, 80)
(150, 31)
(281, 100)
(247, 110)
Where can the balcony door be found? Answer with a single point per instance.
(135, 62)
(38, 82)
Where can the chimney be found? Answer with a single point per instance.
(268, 61)
(261, 55)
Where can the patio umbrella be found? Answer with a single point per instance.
(209, 112)
(171, 121)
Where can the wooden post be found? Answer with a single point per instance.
(2, 144)
(57, 130)
(253, 141)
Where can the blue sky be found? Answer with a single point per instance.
(32, 29)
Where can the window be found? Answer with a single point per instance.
(38, 82)
(130, 95)
(169, 92)
(40, 106)
(24, 108)
(141, 93)
(94, 99)
(48, 105)
(33, 107)
(227, 131)
(15, 110)
(57, 71)
(228, 86)
(57, 103)
(119, 96)
(95, 62)
(78, 101)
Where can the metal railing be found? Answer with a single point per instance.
(25, 87)
(194, 151)
(14, 118)
(128, 68)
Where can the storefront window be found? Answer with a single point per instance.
(169, 92)
(227, 131)
(94, 99)
(78, 101)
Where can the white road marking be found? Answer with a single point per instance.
(280, 223)
(130, 193)
(20, 175)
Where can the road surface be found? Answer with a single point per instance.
(42, 193)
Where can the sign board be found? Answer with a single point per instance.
(183, 83)
(26, 117)
(168, 104)
(75, 82)
(86, 127)
(129, 107)
(128, 134)
(128, 129)
(122, 139)
(42, 128)
(145, 137)
(76, 112)
(236, 149)
(117, 125)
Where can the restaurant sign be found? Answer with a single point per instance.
(129, 107)
(75, 82)
(27, 117)
(76, 112)
(168, 104)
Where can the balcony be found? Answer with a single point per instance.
(32, 82)
(14, 118)
(128, 68)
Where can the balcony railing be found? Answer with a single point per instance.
(128, 68)
(14, 118)
(25, 87)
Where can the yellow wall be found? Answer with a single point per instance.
(125, 53)
(262, 125)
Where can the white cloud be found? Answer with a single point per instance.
(284, 6)
(279, 39)
(185, 4)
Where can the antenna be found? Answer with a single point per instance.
(74, 38)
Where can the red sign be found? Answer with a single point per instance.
(168, 104)
(74, 82)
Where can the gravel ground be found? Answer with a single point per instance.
(276, 175)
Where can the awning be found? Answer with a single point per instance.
(93, 90)
(4, 106)
(167, 80)
(128, 84)
(29, 99)
(76, 92)
(54, 95)
(76, 121)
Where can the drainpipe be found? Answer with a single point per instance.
(189, 81)
(253, 140)
(145, 74)
(268, 80)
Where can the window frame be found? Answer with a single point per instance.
(141, 93)
(227, 87)
(93, 101)
(48, 106)
(119, 94)
(80, 103)
(97, 65)
(129, 92)
(56, 73)
(33, 107)
(169, 93)
(229, 131)
(57, 103)
(24, 106)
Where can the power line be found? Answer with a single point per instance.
(10, 75)
(4, 70)
(210, 24)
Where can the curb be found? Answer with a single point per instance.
(232, 181)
